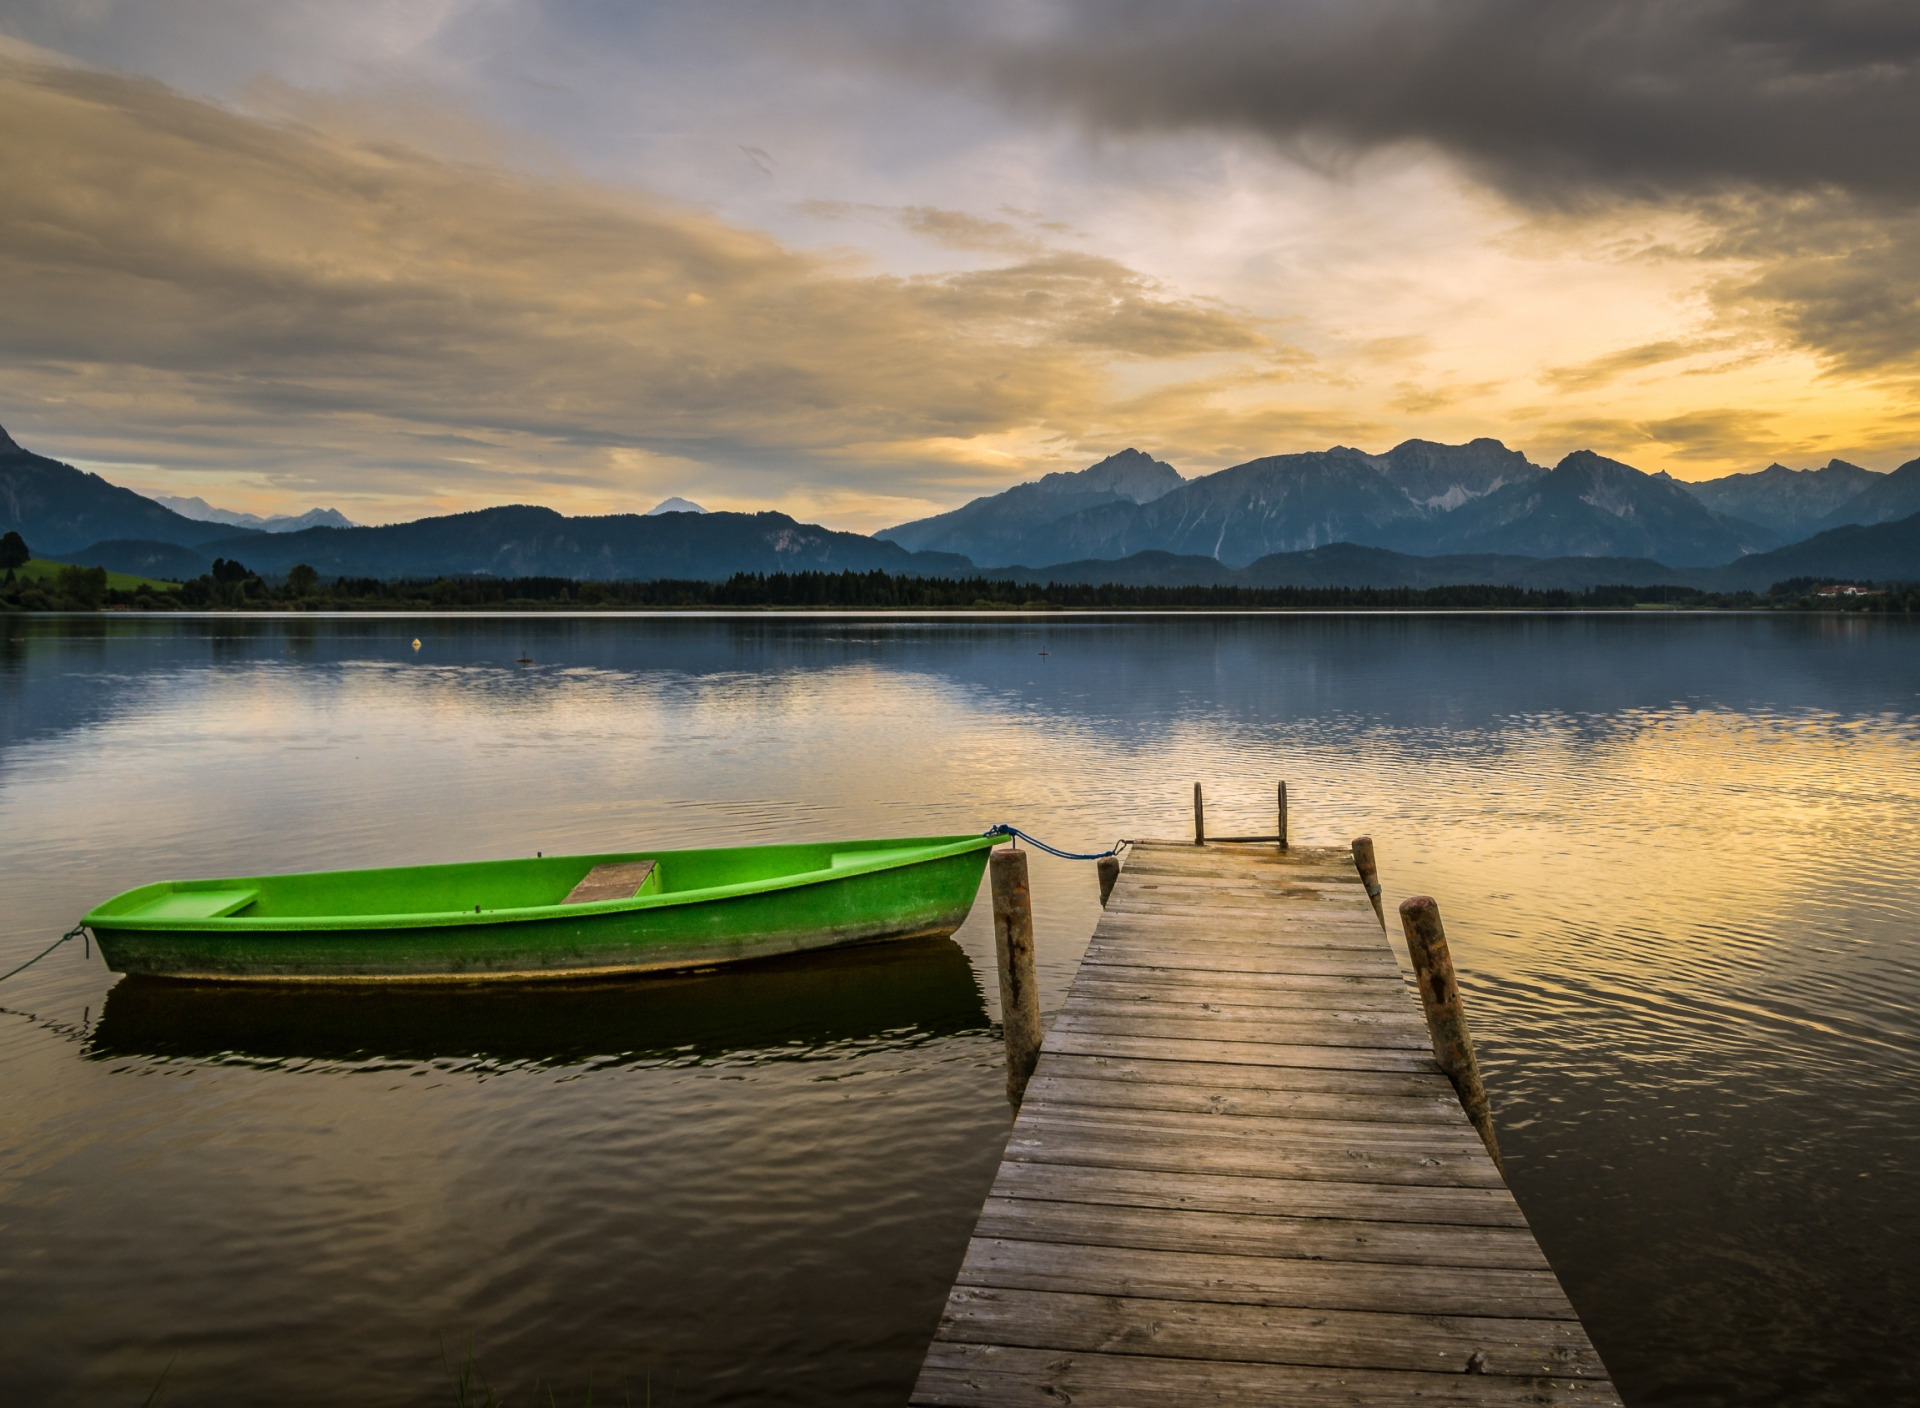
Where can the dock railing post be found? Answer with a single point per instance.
(1282, 833)
(1199, 818)
(1446, 1017)
(1013, 943)
(1369, 875)
(1109, 870)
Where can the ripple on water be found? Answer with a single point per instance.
(1672, 855)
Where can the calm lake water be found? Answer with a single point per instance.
(1674, 852)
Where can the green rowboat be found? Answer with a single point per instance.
(551, 917)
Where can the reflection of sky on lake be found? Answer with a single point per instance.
(1671, 851)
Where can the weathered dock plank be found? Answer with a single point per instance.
(962, 1375)
(1238, 1176)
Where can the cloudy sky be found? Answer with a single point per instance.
(864, 261)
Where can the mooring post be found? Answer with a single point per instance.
(1446, 1017)
(1013, 942)
(1369, 875)
(1199, 818)
(1109, 868)
(1282, 833)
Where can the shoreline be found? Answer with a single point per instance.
(926, 612)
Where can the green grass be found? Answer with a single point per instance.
(41, 569)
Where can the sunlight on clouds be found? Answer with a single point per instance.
(366, 295)
(279, 300)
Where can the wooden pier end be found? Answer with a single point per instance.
(1239, 1176)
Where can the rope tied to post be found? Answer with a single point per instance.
(1003, 829)
(78, 931)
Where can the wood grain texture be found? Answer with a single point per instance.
(959, 1375)
(1239, 1177)
(619, 880)
(1185, 1329)
(1319, 1284)
(1259, 1193)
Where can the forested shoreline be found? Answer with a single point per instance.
(231, 587)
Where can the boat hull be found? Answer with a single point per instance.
(922, 889)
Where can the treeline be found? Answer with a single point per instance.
(230, 586)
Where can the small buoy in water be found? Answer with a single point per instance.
(416, 642)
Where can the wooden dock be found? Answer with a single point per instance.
(1238, 1176)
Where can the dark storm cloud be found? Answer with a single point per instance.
(1839, 274)
(1641, 96)
(1790, 128)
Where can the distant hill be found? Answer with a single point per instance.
(992, 530)
(1886, 552)
(1889, 498)
(1789, 502)
(1351, 565)
(675, 505)
(1151, 568)
(1592, 506)
(523, 541)
(144, 558)
(201, 511)
(1878, 552)
(58, 508)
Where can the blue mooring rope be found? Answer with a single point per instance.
(78, 931)
(1005, 830)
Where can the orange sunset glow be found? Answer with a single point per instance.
(862, 266)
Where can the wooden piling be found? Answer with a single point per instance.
(1282, 832)
(1109, 869)
(1446, 1016)
(1013, 943)
(1369, 875)
(1199, 818)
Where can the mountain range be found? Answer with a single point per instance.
(1392, 519)
(59, 509)
(995, 531)
(202, 511)
(1419, 497)
(523, 541)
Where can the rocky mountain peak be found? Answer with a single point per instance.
(1443, 477)
(1130, 474)
(1609, 485)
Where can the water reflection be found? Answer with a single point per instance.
(786, 1009)
(1673, 853)
(1116, 674)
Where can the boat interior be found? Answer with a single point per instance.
(518, 884)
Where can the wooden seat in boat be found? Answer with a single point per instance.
(620, 880)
